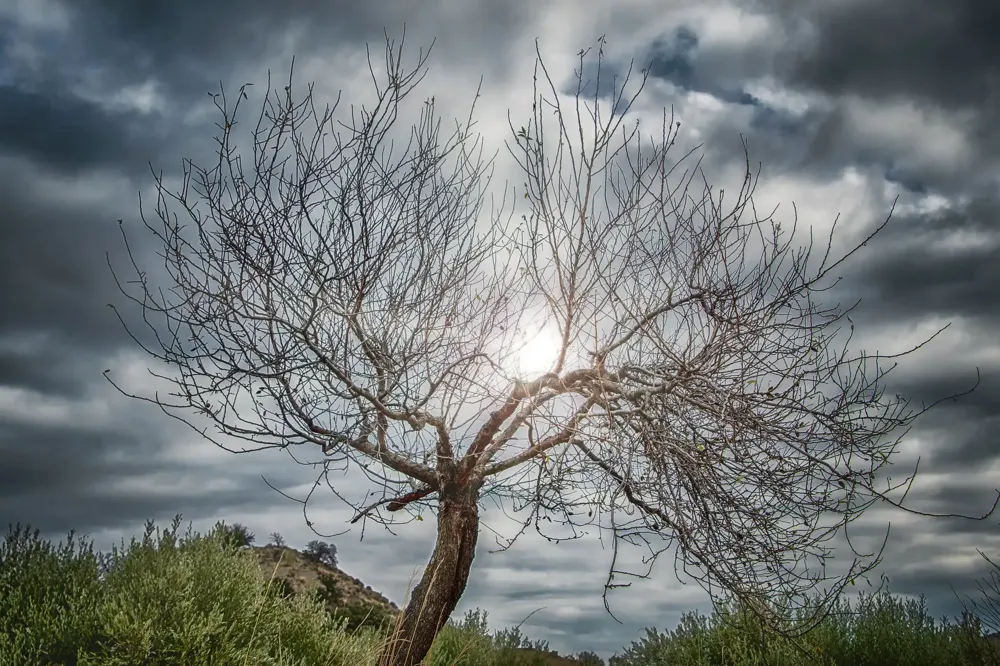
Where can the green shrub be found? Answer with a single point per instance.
(282, 588)
(49, 596)
(160, 601)
(322, 552)
(197, 600)
(359, 615)
(469, 643)
(878, 631)
(329, 592)
(587, 658)
(200, 600)
(235, 535)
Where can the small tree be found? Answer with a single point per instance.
(589, 658)
(323, 552)
(235, 535)
(349, 293)
(277, 540)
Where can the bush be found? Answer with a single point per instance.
(49, 598)
(513, 639)
(469, 643)
(189, 601)
(193, 600)
(589, 658)
(878, 631)
(162, 601)
(359, 615)
(235, 535)
(282, 588)
(329, 592)
(322, 552)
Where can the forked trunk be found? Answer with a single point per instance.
(439, 590)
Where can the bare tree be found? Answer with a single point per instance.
(354, 292)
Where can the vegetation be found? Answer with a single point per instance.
(323, 552)
(162, 600)
(196, 600)
(878, 630)
(236, 535)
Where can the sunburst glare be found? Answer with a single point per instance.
(537, 352)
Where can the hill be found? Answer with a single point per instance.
(348, 596)
(304, 573)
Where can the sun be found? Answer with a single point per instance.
(537, 352)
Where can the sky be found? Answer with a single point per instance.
(847, 104)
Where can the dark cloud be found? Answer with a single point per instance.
(48, 364)
(944, 56)
(672, 58)
(880, 68)
(60, 130)
(70, 474)
(58, 476)
(946, 53)
(188, 44)
(944, 263)
(938, 575)
(52, 263)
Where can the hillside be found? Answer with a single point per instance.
(303, 574)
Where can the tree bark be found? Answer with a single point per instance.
(439, 590)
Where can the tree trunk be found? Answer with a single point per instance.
(439, 590)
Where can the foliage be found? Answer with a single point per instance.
(276, 540)
(513, 639)
(281, 588)
(166, 599)
(235, 535)
(879, 630)
(469, 643)
(587, 658)
(322, 552)
(53, 590)
(329, 592)
(358, 615)
(987, 607)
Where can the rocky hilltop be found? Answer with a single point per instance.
(303, 573)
